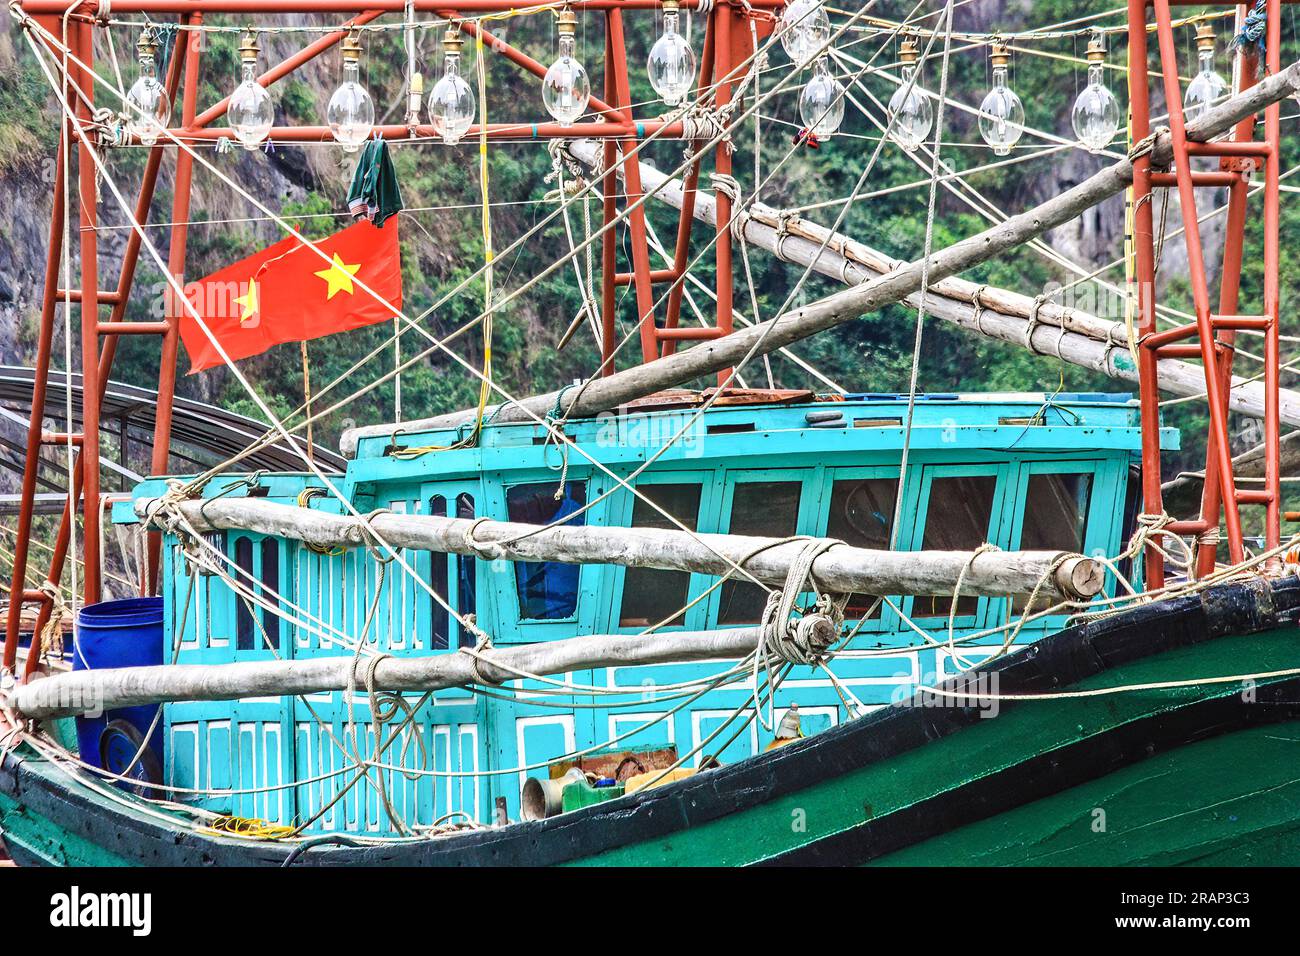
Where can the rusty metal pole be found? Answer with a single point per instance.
(609, 238)
(89, 250)
(636, 219)
(1229, 298)
(722, 67)
(44, 349)
(1272, 345)
(1205, 328)
(1144, 279)
(686, 219)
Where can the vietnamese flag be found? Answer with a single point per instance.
(289, 293)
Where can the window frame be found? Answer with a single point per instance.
(284, 584)
(697, 617)
(450, 492)
(888, 621)
(810, 479)
(997, 532)
(500, 582)
(1098, 534)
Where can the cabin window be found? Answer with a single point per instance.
(270, 593)
(243, 615)
(764, 509)
(548, 590)
(861, 515)
(439, 618)
(956, 519)
(1056, 518)
(259, 567)
(440, 570)
(1056, 512)
(650, 594)
(466, 573)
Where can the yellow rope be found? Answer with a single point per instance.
(249, 827)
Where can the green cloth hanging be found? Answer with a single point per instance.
(374, 192)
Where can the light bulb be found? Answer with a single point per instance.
(251, 112)
(451, 101)
(1095, 116)
(821, 107)
(805, 28)
(565, 88)
(672, 61)
(148, 106)
(351, 111)
(1207, 87)
(1002, 115)
(910, 113)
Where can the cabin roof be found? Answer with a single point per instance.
(862, 421)
(860, 428)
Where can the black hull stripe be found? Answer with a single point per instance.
(1047, 774)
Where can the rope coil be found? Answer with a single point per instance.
(806, 639)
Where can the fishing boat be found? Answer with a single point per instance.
(633, 621)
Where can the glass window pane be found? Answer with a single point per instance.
(466, 573)
(243, 616)
(547, 590)
(1056, 512)
(651, 594)
(957, 519)
(862, 512)
(271, 588)
(440, 620)
(1056, 517)
(767, 509)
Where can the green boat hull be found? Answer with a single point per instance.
(1202, 773)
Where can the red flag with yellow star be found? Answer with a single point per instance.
(290, 293)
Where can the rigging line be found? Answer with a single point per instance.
(618, 479)
(1036, 153)
(993, 214)
(304, 217)
(736, 214)
(179, 293)
(266, 410)
(925, 286)
(450, 294)
(785, 350)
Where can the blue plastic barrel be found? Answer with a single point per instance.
(127, 633)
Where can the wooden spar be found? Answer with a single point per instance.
(841, 569)
(1078, 337)
(87, 691)
(711, 356)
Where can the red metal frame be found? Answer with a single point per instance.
(723, 62)
(1211, 337)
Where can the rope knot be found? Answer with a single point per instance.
(807, 638)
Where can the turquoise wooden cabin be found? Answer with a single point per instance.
(1024, 471)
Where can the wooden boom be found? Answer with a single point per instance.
(90, 691)
(841, 569)
(870, 296)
